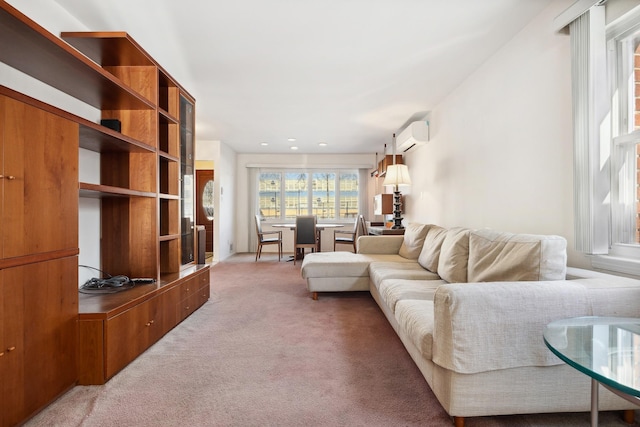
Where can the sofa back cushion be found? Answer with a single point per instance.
(414, 235)
(499, 256)
(454, 255)
(430, 253)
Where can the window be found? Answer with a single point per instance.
(623, 50)
(328, 194)
(626, 135)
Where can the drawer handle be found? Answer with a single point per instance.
(150, 322)
(11, 348)
(11, 177)
(2, 354)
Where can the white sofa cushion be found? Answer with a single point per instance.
(393, 290)
(500, 256)
(430, 253)
(415, 318)
(411, 270)
(454, 255)
(413, 241)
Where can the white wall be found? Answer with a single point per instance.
(245, 226)
(500, 154)
(224, 200)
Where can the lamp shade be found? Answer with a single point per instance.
(397, 175)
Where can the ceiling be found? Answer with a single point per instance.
(349, 73)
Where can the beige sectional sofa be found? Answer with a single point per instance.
(470, 307)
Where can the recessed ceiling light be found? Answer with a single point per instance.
(264, 144)
(322, 144)
(293, 147)
(291, 139)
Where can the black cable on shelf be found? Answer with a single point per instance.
(111, 284)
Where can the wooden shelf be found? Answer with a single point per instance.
(168, 118)
(168, 196)
(101, 139)
(386, 161)
(109, 48)
(168, 237)
(168, 157)
(102, 306)
(57, 64)
(98, 191)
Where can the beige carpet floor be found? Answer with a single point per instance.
(261, 352)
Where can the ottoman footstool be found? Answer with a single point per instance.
(335, 272)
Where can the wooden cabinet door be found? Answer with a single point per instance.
(130, 333)
(11, 347)
(40, 184)
(51, 329)
(126, 338)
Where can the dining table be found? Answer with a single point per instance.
(319, 226)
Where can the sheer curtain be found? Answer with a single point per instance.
(253, 206)
(591, 126)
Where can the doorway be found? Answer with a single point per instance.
(204, 206)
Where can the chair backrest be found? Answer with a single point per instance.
(258, 225)
(362, 226)
(356, 226)
(305, 230)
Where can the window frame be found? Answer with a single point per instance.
(311, 206)
(623, 256)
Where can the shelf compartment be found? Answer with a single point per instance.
(170, 255)
(168, 94)
(129, 236)
(169, 217)
(66, 69)
(97, 191)
(141, 125)
(143, 80)
(169, 183)
(135, 171)
(168, 135)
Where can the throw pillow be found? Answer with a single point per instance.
(499, 256)
(430, 253)
(414, 235)
(454, 256)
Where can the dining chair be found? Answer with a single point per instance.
(305, 235)
(350, 237)
(264, 239)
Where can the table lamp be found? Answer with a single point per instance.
(397, 175)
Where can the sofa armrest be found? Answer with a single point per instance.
(498, 325)
(379, 244)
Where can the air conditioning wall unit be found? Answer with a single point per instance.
(414, 135)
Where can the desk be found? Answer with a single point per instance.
(605, 348)
(319, 227)
(384, 231)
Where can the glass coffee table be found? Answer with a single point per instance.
(605, 348)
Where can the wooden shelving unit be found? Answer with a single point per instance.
(141, 192)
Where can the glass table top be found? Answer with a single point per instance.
(605, 348)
